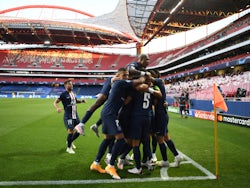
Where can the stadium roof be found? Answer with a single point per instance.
(156, 18)
(131, 21)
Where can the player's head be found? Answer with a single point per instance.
(122, 73)
(68, 85)
(158, 74)
(155, 73)
(143, 59)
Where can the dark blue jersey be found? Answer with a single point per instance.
(69, 104)
(182, 100)
(116, 97)
(159, 106)
(106, 87)
(139, 127)
(135, 66)
(142, 103)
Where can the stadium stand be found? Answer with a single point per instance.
(70, 60)
(197, 78)
(160, 58)
(201, 88)
(45, 90)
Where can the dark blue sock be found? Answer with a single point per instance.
(69, 139)
(126, 149)
(111, 144)
(137, 157)
(172, 148)
(102, 149)
(86, 117)
(146, 151)
(116, 150)
(163, 150)
(75, 136)
(99, 122)
(154, 144)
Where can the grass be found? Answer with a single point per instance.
(32, 137)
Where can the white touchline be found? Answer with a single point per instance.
(163, 174)
(201, 168)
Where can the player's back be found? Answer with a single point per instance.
(106, 87)
(142, 103)
(116, 97)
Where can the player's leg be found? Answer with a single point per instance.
(75, 133)
(99, 102)
(109, 154)
(154, 145)
(163, 150)
(161, 129)
(69, 123)
(137, 158)
(101, 151)
(122, 159)
(95, 126)
(116, 130)
(171, 146)
(116, 150)
(147, 159)
(153, 138)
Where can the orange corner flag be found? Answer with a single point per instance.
(219, 101)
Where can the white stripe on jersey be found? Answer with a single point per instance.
(73, 102)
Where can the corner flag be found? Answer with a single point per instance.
(219, 101)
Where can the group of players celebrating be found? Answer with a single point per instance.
(134, 111)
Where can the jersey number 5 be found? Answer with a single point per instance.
(146, 101)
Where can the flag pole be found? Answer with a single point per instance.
(219, 102)
(216, 141)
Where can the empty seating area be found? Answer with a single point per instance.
(62, 59)
(203, 88)
(45, 59)
(82, 60)
(49, 81)
(39, 90)
(91, 90)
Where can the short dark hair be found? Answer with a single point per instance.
(155, 73)
(121, 69)
(142, 56)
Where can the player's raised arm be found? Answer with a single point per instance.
(137, 69)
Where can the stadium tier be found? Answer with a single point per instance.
(67, 60)
(195, 76)
(201, 88)
(80, 60)
(159, 58)
(44, 91)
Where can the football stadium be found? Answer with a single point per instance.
(167, 81)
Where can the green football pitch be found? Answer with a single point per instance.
(32, 154)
